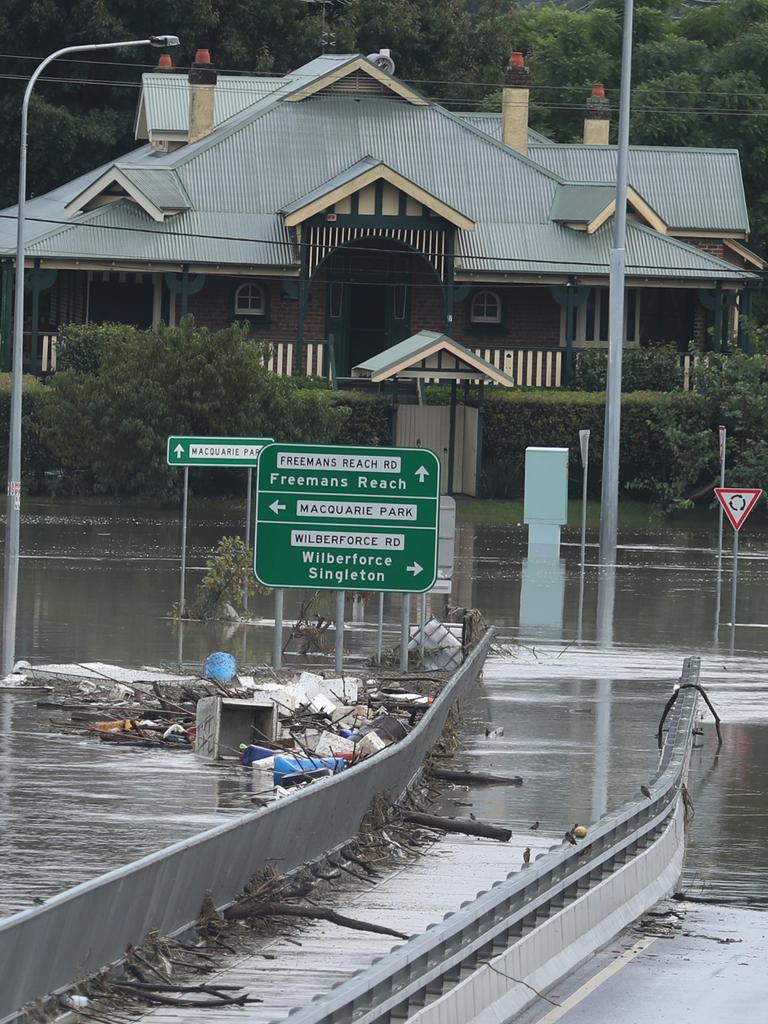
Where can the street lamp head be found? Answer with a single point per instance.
(161, 41)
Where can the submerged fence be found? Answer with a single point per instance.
(44, 949)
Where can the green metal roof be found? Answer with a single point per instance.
(164, 103)
(276, 152)
(407, 356)
(580, 204)
(358, 168)
(160, 185)
(555, 249)
(491, 124)
(697, 189)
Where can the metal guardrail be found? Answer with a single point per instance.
(432, 962)
(77, 932)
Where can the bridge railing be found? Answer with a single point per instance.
(419, 971)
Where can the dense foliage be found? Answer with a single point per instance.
(656, 368)
(700, 72)
(667, 446)
(108, 416)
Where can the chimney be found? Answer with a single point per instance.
(597, 117)
(202, 84)
(164, 62)
(514, 104)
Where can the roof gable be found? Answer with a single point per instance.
(359, 177)
(357, 75)
(157, 191)
(430, 355)
(587, 207)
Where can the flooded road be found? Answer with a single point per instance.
(579, 718)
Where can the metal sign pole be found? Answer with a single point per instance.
(406, 621)
(422, 622)
(277, 637)
(340, 596)
(380, 635)
(721, 433)
(584, 448)
(249, 485)
(184, 504)
(734, 578)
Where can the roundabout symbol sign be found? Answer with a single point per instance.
(737, 503)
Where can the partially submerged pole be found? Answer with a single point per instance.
(609, 504)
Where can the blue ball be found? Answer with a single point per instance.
(220, 666)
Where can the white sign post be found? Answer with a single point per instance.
(737, 503)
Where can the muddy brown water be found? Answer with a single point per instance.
(578, 716)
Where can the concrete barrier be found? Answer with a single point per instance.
(44, 949)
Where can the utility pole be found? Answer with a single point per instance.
(609, 501)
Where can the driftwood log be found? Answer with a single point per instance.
(463, 825)
(246, 909)
(475, 778)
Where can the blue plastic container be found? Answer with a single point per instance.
(220, 667)
(289, 764)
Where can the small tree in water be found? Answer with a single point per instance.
(228, 581)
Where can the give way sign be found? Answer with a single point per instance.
(737, 503)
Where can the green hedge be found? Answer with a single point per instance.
(666, 448)
(655, 368)
(36, 458)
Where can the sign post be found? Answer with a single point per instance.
(347, 518)
(721, 437)
(737, 503)
(212, 452)
(330, 517)
(584, 448)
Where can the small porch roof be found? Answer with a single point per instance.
(429, 355)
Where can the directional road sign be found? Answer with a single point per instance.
(337, 518)
(737, 503)
(215, 451)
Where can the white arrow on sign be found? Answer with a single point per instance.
(421, 472)
(415, 568)
(179, 449)
(277, 507)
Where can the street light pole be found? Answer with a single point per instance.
(609, 499)
(13, 499)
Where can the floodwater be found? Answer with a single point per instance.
(578, 708)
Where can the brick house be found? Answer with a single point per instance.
(337, 202)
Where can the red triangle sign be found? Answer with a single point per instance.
(737, 503)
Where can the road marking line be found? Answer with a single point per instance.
(595, 982)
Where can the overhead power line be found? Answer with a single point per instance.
(536, 261)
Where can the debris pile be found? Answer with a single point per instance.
(287, 728)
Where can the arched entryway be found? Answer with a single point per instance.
(378, 293)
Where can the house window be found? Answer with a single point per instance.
(336, 300)
(485, 308)
(591, 324)
(250, 300)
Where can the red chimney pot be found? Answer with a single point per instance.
(203, 57)
(165, 62)
(598, 89)
(517, 60)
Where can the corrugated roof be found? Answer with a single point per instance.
(160, 185)
(694, 189)
(408, 354)
(165, 100)
(491, 125)
(581, 203)
(122, 230)
(556, 249)
(358, 168)
(263, 158)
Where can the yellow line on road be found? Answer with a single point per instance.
(595, 982)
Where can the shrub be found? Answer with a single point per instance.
(655, 368)
(364, 419)
(665, 441)
(111, 424)
(36, 457)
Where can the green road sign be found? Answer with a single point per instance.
(215, 451)
(336, 518)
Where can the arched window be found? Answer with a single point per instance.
(485, 308)
(250, 300)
